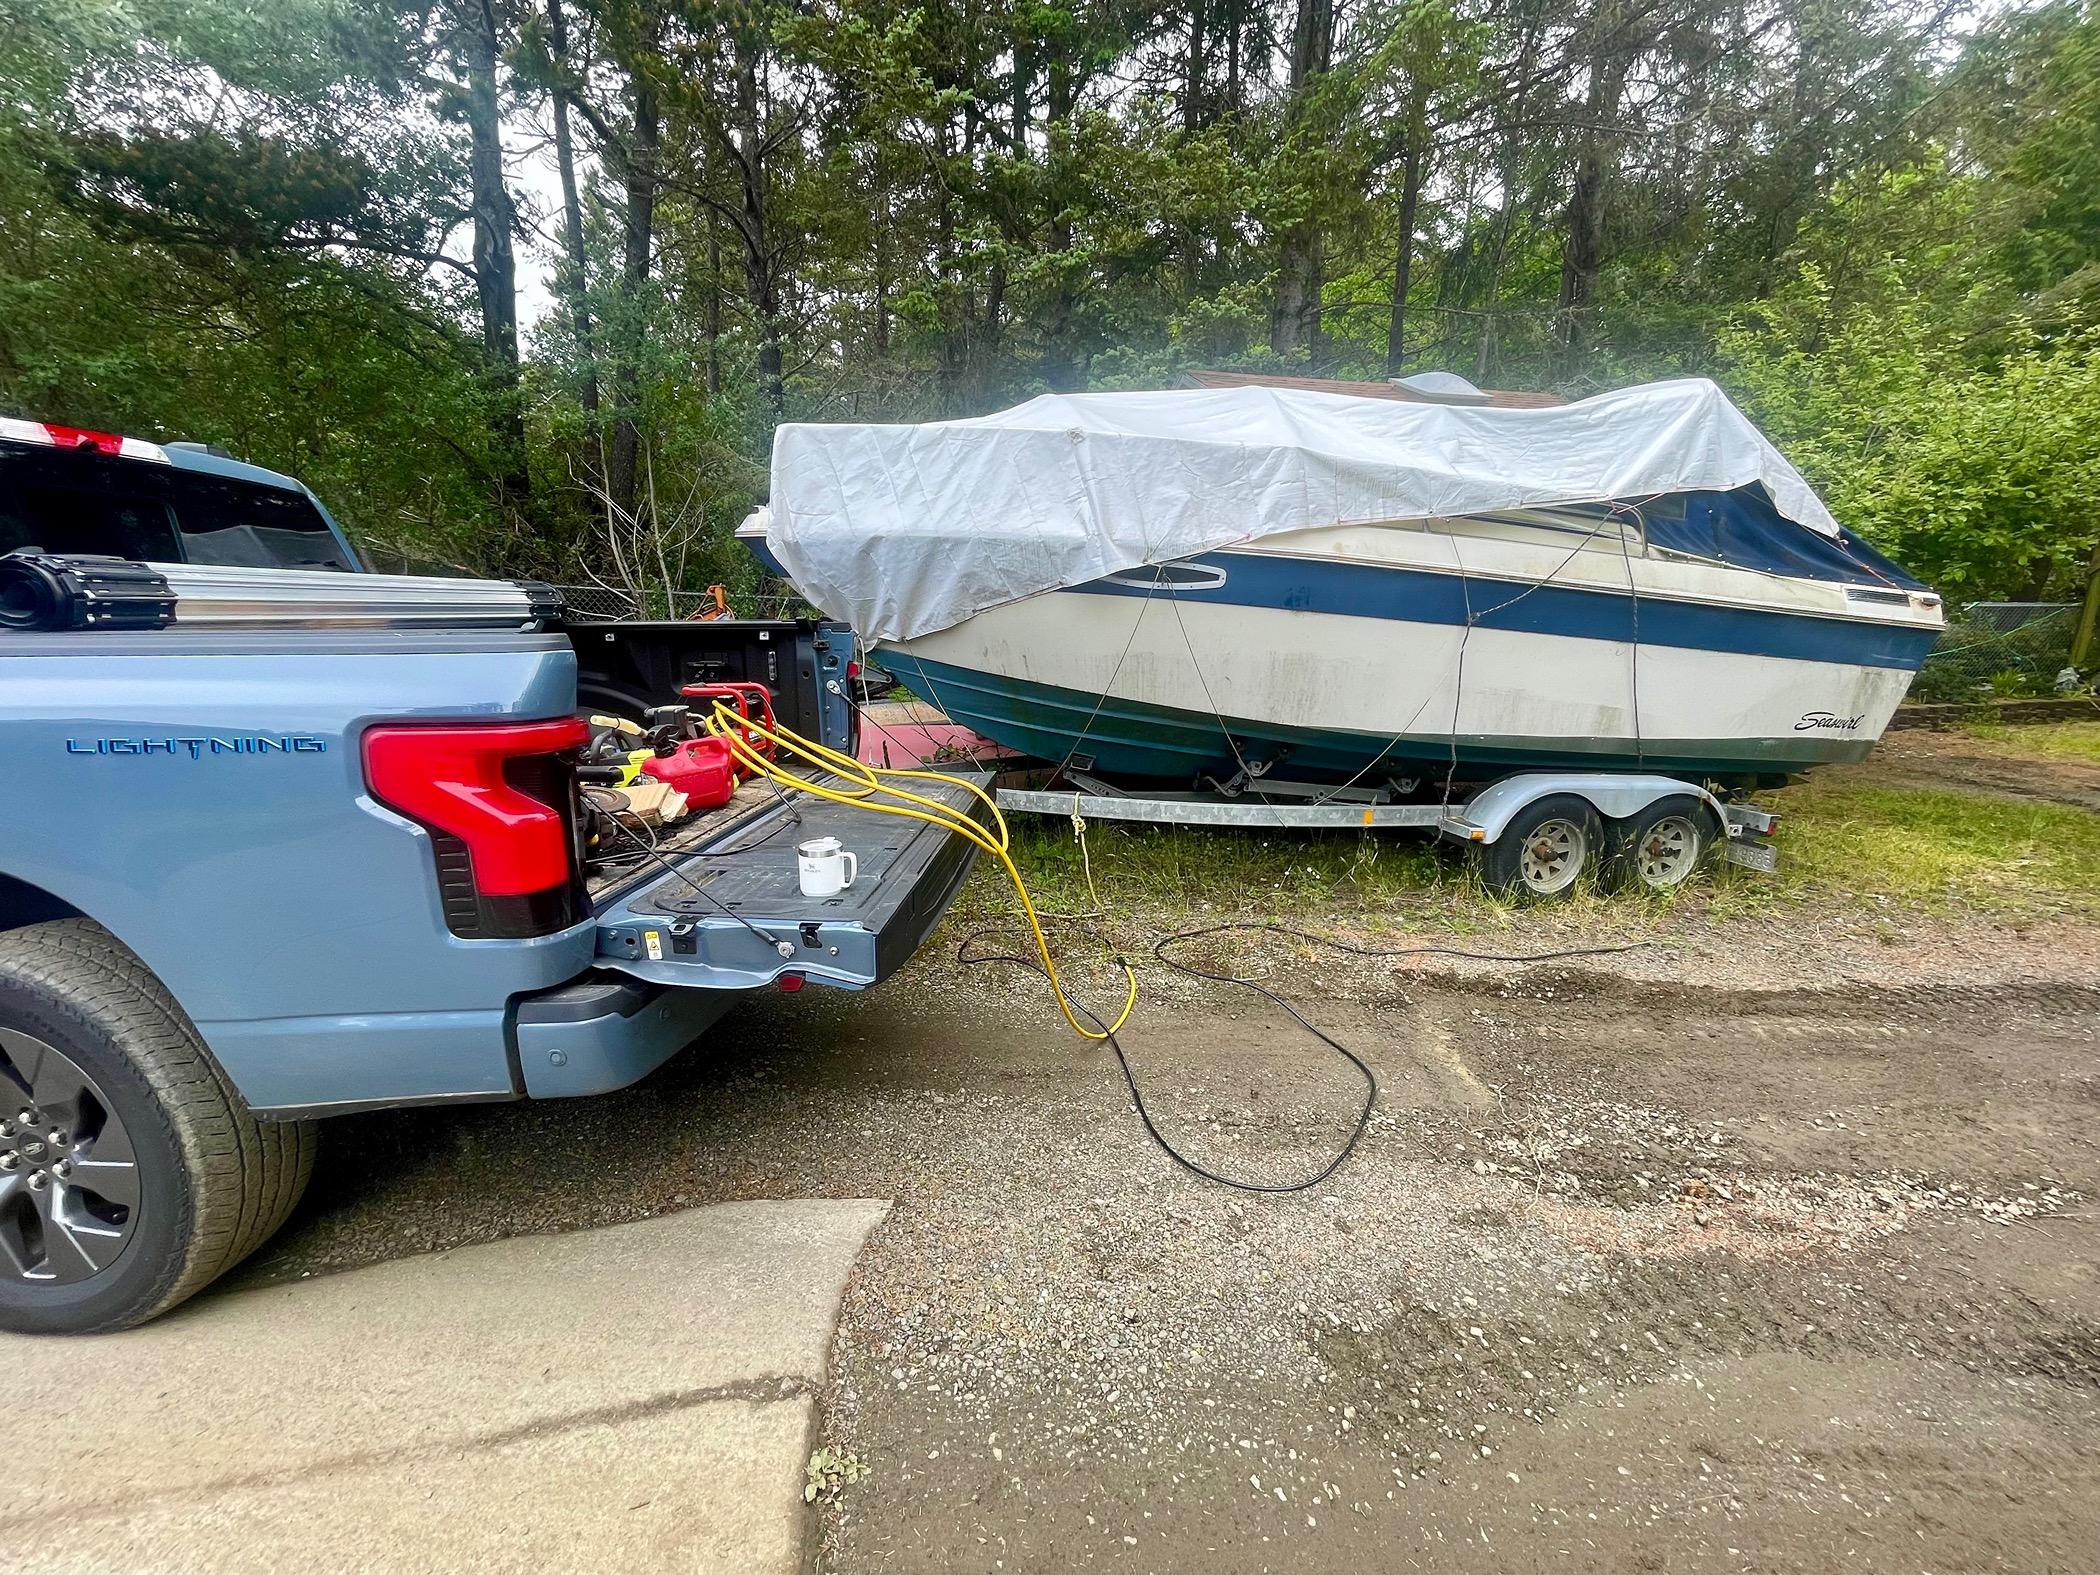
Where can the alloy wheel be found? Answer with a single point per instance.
(69, 1176)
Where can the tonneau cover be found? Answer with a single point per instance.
(903, 530)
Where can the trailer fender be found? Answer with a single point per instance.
(1616, 795)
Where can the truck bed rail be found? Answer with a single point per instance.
(41, 592)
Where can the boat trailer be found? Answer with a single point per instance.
(1535, 832)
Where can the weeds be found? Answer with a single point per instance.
(1937, 849)
(1921, 848)
(2055, 741)
(830, 1473)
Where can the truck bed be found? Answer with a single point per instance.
(709, 826)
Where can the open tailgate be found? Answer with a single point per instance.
(729, 911)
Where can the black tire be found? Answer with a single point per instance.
(212, 1183)
(1513, 866)
(1663, 846)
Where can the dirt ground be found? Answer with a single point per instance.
(1982, 765)
(1768, 1246)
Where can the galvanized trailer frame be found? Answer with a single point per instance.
(1478, 820)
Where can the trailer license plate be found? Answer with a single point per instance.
(1754, 855)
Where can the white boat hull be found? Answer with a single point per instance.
(1430, 650)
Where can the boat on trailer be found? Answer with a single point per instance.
(1247, 586)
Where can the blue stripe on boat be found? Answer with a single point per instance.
(1134, 738)
(1370, 590)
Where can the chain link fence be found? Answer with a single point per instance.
(2007, 650)
(607, 604)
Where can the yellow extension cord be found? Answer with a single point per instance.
(736, 731)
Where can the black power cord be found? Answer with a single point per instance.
(649, 850)
(1363, 1117)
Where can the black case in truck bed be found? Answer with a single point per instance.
(627, 667)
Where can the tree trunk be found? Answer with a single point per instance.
(2088, 616)
(880, 339)
(1455, 278)
(1294, 320)
(1582, 257)
(495, 264)
(1404, 253)
(1061, 363)
(637, 244)
(1192, 93)
(1799, 154)
(1312, 45)
(949, 342)
(1491, 300)
(1295, 282)
(1509, 161)
(761, 278)
(711, 310)
(1020, 90)
(575, 276)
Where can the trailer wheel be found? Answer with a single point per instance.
(131, 1175)
(1544, 849)
(1662, 847)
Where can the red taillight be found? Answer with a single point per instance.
(79, 437)
(457, 778)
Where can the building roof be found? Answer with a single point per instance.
(1505, 398)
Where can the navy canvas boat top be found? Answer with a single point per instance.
(1744, 531)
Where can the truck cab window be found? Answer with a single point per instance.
(78, 504)
(110, 524)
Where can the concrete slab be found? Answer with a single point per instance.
(642, 1394)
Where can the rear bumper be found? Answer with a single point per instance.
(604, 1031)
(672, 958)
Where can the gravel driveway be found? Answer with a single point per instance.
(1695, 1264)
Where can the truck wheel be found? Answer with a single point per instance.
(131, 1175)
(1543, 851)
(1662, 847)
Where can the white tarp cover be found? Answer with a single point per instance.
(902, 530)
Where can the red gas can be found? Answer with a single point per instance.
(701, 768)
(752, 702)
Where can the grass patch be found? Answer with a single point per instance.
(1177, 871)
(1934, 849)
(1150, 878)
(1837, 840)
(2046, 741)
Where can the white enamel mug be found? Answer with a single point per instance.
(826, 867)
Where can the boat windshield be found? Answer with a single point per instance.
(1736, 530)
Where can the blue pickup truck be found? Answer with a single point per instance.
(283, 843)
